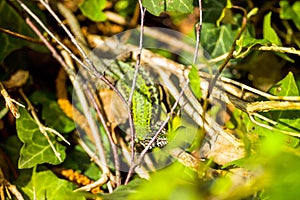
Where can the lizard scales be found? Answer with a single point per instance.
(146, 109)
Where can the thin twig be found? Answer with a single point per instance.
(70, 35)
(18, 35)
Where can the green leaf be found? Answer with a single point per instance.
(45, 185)
(12, 21)
(36, 149)
(195, 82)
(289, 12)
(268, 32)
(156, 7)
(93, 9)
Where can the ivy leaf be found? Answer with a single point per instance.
(36, 149)
(217, 40)
(156, 7)
(268, 32)
(195, 82)
(93, 9)
(45, 185)
(12, 21)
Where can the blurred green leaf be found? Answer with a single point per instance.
(45, 185)
(12, 146)
(93, 9)
(124, 191)
(173, 182)
(93, 172)
(290, 12)
(12, 21)
(76, 154)
(268, 32)
(36, 149)
(125, 8)
(156, 7)
(195, 82)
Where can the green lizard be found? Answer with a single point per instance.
(146, 109)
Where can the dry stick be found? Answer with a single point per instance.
(43, 129)
(84, 104)
(92, 70)
(68, 70)
(75, 28)
(100, 162)
(138, 63)
(266, 106)
(143, 153)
